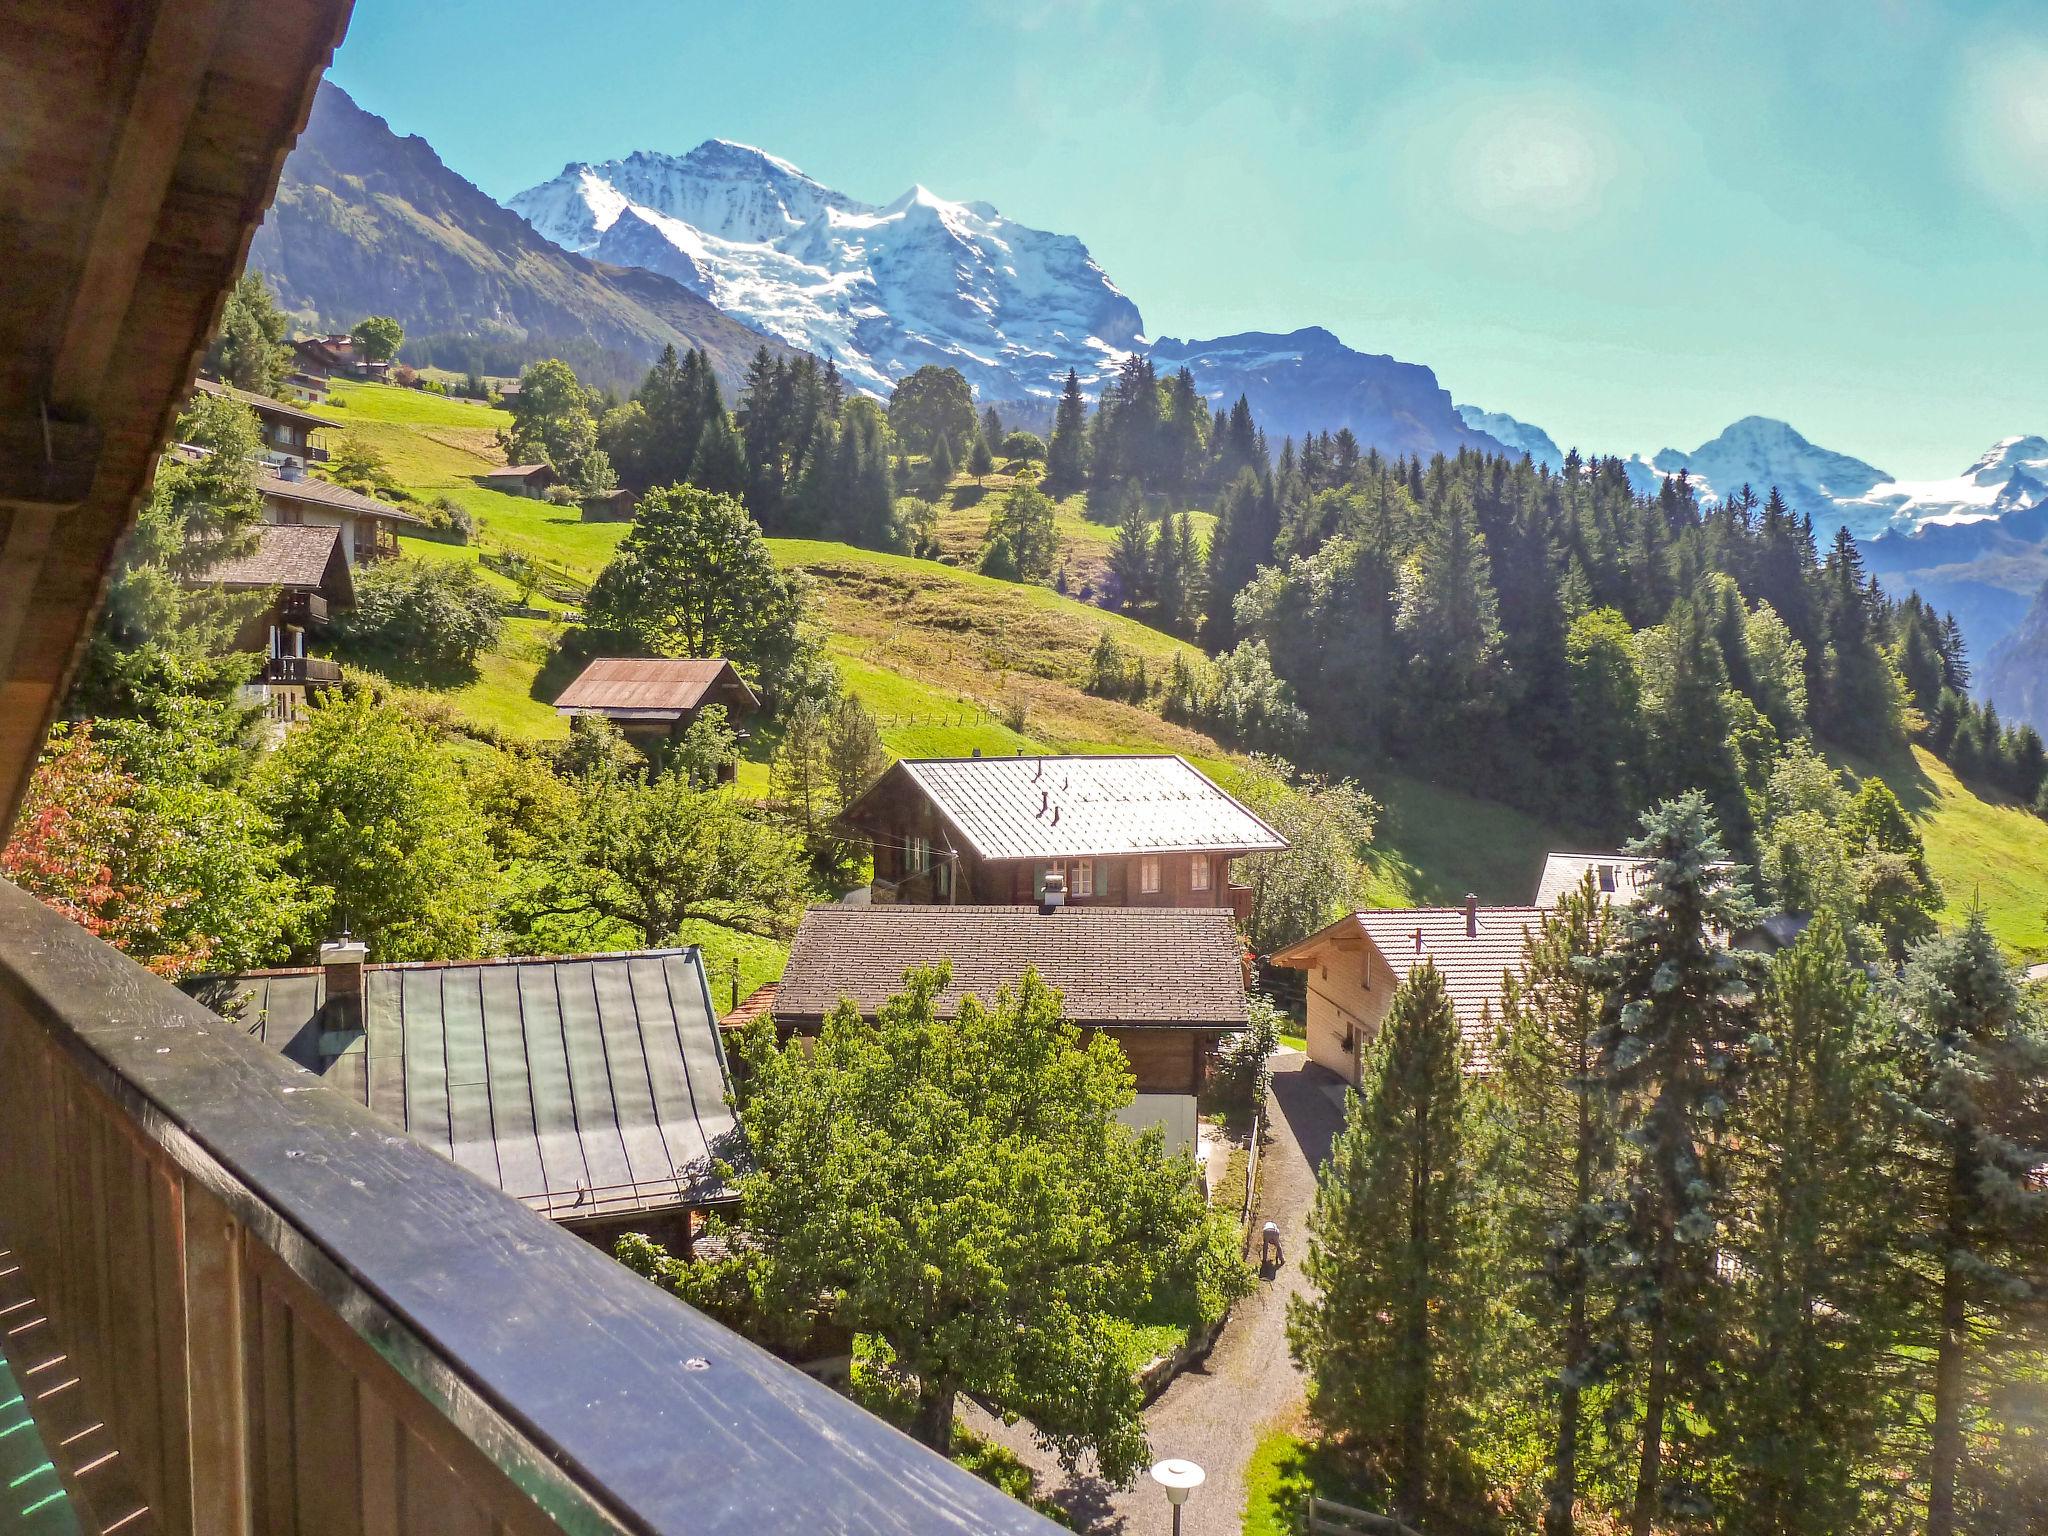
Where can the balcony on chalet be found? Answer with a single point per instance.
(299, 672)
(303, 610)
(237, 1300)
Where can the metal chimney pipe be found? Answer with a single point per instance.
(1471, 916)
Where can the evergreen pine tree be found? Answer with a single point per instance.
(1679, 1009)
(981, 463)
(1556, 1195)
(1977, 1064)
(941, 465)
(1390, 1338)
(1130, 558)
(1247, 524)
(1066, 454)
(1819, 1298)
(720, 462)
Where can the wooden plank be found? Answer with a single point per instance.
(216, 1389)
(435, 1498)
(280, 1493)
(166, 1270)
(326, 1460)
(382, 1449)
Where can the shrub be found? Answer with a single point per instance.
(421, 619)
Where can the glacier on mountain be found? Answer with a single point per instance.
(879, 290)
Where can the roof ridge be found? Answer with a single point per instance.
(449, 965)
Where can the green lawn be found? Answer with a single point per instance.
(1283, 1472)
(1434, 844)
(1983, 847)
(760, 960)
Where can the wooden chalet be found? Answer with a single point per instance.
(654, 699)
(331, 355)
(1118, 831)
(592, 1089)
(369, 527)
(1355, 964)
(308, 577)
(1166, 984)
(236, 1299)
(286, 430)
(530, 480)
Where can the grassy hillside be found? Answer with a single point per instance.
(951, 661)
(1983, 848)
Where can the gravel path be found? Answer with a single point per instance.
(1214, 1413)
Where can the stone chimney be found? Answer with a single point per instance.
(1471, 916)
(1053, 894)
(341, 967)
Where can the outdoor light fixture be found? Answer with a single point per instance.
(1179, 1478)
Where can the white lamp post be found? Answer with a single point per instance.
(1179, 1479)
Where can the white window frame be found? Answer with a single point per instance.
(920, 854)
(1198, 872)
(1148, 875)
(1084, 878)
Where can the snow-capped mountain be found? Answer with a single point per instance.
(1760, 452)
(880, 290)
(1519, 436)
(1309, 381)
(2011, 476)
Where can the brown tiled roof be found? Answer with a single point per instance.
(263, 405)
(1126, 966)
(296, 558)
(517, 471)
(307, 491)
(757, 1002)
(585, 1087)
(649, 687)
(1080, 807)
(1471, 964)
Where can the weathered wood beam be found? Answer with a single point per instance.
(175, 45)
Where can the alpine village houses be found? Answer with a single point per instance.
(313, 537)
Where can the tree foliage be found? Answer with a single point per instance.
(961, 1189)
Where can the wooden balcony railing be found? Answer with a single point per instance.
(283, 1315)
(306, 609)
(302, 671)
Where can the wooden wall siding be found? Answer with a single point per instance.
(1165, 1060)
(296, 1319)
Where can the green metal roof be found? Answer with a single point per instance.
(584, 1087)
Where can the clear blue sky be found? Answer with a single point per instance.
(1629, 221)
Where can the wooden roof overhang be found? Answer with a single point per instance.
(141, 145)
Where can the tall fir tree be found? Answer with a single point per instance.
(1977, 1060)
(1555, 1191)
(1681, 1004)
(1819, 1299)
(1390, 1338)
(1066, 461)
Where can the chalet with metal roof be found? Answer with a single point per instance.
(656, 698)
(592, 1089)
(1166, 984)
(1354, 965)
(1117, 831)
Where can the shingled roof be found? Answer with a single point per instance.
(1129, 967)
(307, 491)
(302, 558)
(1472, 960)
(652, 688)
(263, 405)
(1078, 807)
(584, 1087)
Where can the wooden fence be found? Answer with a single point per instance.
(1326, 1517)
